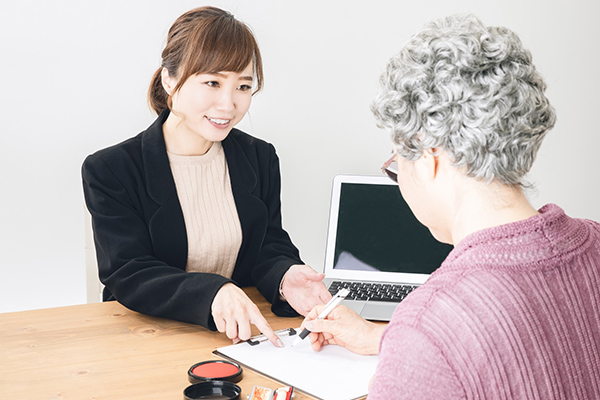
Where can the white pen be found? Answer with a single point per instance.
(333, 303)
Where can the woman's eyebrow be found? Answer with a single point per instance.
(223, 75)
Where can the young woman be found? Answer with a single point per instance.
(188, 211)
(512, 313)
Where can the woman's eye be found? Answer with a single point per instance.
(212, 83)
(245, 88)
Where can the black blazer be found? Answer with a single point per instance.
(140, 235)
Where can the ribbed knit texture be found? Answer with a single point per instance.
(213, 227)
(513, 313)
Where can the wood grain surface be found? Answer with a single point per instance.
(105, 351)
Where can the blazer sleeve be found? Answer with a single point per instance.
(278, 253)
(127, 263)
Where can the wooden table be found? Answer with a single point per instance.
(105, 351)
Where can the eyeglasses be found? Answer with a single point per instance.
(390, 168)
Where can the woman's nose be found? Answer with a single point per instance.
(226, 101)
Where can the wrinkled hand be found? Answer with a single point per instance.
(233, 313)
(345, 328)
(303, 288)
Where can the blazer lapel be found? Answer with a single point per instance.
(166, 224)
(252, 211)
(242, 175)
(159, 179)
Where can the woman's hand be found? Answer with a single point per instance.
(233, 313)
(303, 288)
(345, 328)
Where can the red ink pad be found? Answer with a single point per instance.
(215, 370)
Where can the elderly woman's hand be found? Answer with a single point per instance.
(345, 328)
(303, 288)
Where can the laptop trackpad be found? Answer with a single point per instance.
(357, 306)
(378, 311)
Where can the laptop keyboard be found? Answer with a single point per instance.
(372, 291)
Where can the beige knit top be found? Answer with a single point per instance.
(211, 220)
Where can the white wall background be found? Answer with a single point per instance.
(75, 74)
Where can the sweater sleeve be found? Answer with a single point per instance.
(411, 367)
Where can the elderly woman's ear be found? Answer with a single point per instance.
(431, 161)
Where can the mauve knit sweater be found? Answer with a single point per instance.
(512, 313)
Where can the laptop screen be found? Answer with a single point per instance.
(377, 231)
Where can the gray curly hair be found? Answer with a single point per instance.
(471, 90)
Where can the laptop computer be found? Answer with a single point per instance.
(375, 246)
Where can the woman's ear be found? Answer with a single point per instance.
(430, 163)
(168, 82)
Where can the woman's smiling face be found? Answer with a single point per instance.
(210, 105)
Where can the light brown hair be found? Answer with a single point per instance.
(205, 40)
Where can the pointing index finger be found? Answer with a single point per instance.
(265, 329)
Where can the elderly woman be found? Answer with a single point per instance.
(513, 311)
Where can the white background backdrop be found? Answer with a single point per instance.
(74, 79)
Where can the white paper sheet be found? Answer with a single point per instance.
(334, 373)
